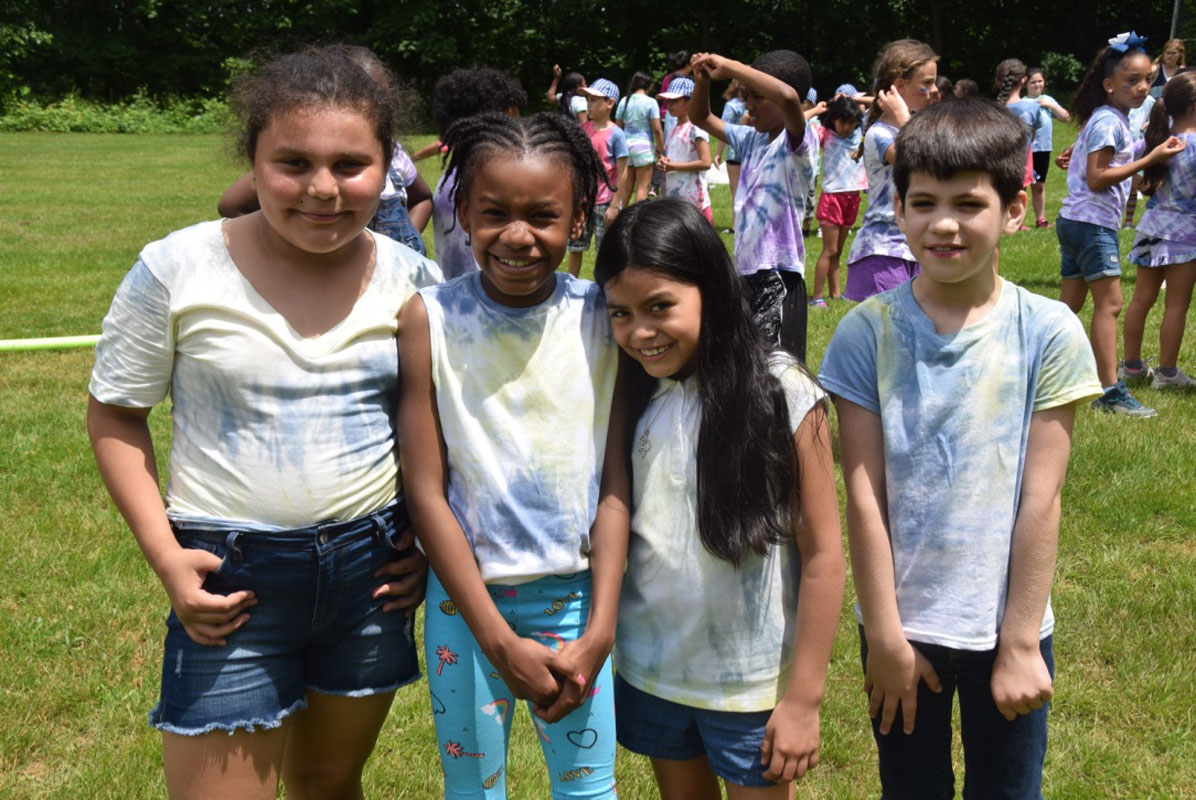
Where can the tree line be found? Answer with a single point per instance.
(108, 50)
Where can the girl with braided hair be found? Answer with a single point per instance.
(513, 464)
(1009, 83)
(880, 259)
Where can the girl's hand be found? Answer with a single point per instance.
(1020, 681)
(712, 65)
(664, 164)
(208, 618)
(790, 746)
(818, 109)
(891, 677)
(411, 574)
(534, 672)
(1166, 149)
(891, 102)
(1063, 159)
(589, 656)
(611, 213)
(556, 71)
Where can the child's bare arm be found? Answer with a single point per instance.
(1101, 176)
(622, 193)
(239, 199)
(1058, 111)
(608, 559)
(550, 94)
(791, 738)
(700, 164)
(529, 668)
(419, 203)
(120, 438)
(699, 106)
(894, 666)
(782, 94)
(1020, 680)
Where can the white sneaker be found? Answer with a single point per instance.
(1133, 374)
(1179, 380)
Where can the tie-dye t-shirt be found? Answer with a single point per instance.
(955, 410)
(1171, 214)
(879, 234)
(453, 252)
(693, 629)
(733, 111)
(524, 400)
(636, 112)
(1046, 126)
(401, 174)
(269, 428)
(774, 179)
(1107, 127)
(682, 146)
(840, 171)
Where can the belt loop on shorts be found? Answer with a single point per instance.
(380, 526)
(234, 551)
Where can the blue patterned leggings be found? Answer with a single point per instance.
(471, 705)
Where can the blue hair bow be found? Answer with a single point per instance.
(1130, 40)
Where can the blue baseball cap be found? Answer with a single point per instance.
(602, 88)
(848, 90)
(678, 88)
(812, 95)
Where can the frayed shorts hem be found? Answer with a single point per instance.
(249, 726)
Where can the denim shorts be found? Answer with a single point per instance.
(1087, 251)
(315, 626)
(659, 728)
(595, 228)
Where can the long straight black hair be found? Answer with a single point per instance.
(747, 464)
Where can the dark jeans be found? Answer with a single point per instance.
(1002, 759)
(777, 299)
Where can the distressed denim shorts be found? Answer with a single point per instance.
(315, 626)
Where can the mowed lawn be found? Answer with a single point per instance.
(81, 615)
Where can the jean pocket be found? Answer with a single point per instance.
(215, 543)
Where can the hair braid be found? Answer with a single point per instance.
(1010, 73)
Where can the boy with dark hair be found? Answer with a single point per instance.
(956, 393)
(777, 151)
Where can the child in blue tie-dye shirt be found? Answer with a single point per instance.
(777, 151)
(508, 376)
(956, 393)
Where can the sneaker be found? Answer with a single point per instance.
(1179, 380)
(1118, 400)
(818, 302)
(1133, 374)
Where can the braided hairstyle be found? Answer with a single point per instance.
(1011, 74)
(473, 140)
(899, 59)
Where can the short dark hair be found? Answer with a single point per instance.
(966, 135)
(787, 67)
(475, 90)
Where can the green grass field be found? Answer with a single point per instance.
(81, 615)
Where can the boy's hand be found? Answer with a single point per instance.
(1020, 681)
(664, 164)
(207, 618)
(891, 677)
(790, 746)
(819, 109)
(712, 65)
(589, 656)
(410, 572)
(891, 101)
(1166, 149)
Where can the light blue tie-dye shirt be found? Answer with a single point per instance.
(524, 400)
(955, 410)
(879, 234)
(1046, 126)
(452, 250)
(1107, 127)
(1029, 112)
(269, 428)
(774, 179)
(840, 170)
(693, 628)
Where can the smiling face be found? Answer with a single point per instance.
(520, 213)
(656, 320)
(917, 89)
(1035, 85)
(1129, 84)
(318, 175)
(953, 226)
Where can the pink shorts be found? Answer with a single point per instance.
(838, 208)
(1028, 177)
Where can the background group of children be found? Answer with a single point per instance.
(642, 463)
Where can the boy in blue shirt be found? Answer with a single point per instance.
(956, 394)
(776, 174)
